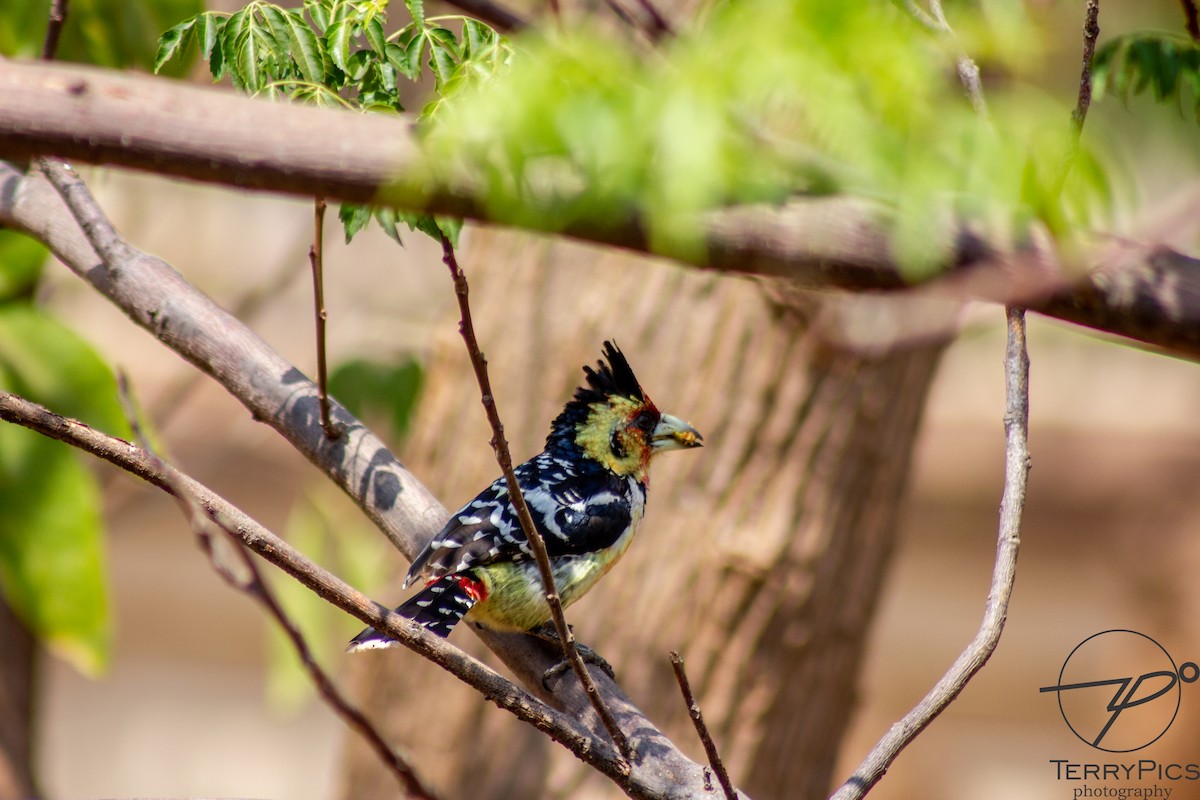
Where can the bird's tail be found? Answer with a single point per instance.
(437, 608)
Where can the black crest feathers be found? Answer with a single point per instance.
(611, 376)
(615, 377)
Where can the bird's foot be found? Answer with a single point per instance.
(547, 633)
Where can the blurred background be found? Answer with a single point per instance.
(195, 704)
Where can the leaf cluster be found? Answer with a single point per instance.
(340, 52)
(1166, 65)
(763, 100)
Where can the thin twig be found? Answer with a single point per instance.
(977, 653)
(710, 747)
(622, 14)
(54, 27)
(563, 729)
(968, 70)
(316, 257)
(659, 27)
(1091, 32)
(922, 16)
(1193, 18)
(536, 545)
(253, 585)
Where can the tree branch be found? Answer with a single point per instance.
(207, 531)
(158, 299)
(832, 242)
(710, 747)
(561, 727)
(977, 653)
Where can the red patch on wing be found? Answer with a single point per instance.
(474, 589)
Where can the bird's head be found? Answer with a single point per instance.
(614, 423)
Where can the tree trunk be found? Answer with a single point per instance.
(761, 555)
(17, 655)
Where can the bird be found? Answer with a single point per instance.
(586, 493)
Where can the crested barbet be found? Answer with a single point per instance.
(586, 492)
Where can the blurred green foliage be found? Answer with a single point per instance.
(763, 101)
(108, 33)
(51, 529)
(1167, 65)
(52, 571)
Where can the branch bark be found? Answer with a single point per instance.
(1004, 574)
(1151, 294)
(158, 299)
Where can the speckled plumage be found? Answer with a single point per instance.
(586, 492)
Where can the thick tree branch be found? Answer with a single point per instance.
(158, 299)
(1004, 573)
(838, 242)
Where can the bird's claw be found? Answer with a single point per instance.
(587, 654)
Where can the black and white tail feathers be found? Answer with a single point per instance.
(437, 608)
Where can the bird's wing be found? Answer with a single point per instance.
(575, 514)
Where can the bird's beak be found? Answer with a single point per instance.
(673, 433)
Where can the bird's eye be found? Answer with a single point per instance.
(645, 421)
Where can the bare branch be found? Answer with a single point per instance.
(54, 26)
(710, 747)
(977, 653)
(316, 257)
(1091, 32)
(828, 242)
(658, 27)
(968, 70)
(532, 535)
(253, 585)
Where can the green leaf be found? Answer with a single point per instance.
(370, 388)
(397, 56)
(305, 47)
(410, 65)
(51, 548)
(318, 12)
(354, 218)
(173, 41)
(208, 30)
(1166, 65)
(277, 24)
(416, 8)
(477, 38)
(21, 263)
(51, 555)
(387, 217)
(338, 38)
(442, 57)
(248, 57)
(375, 36)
